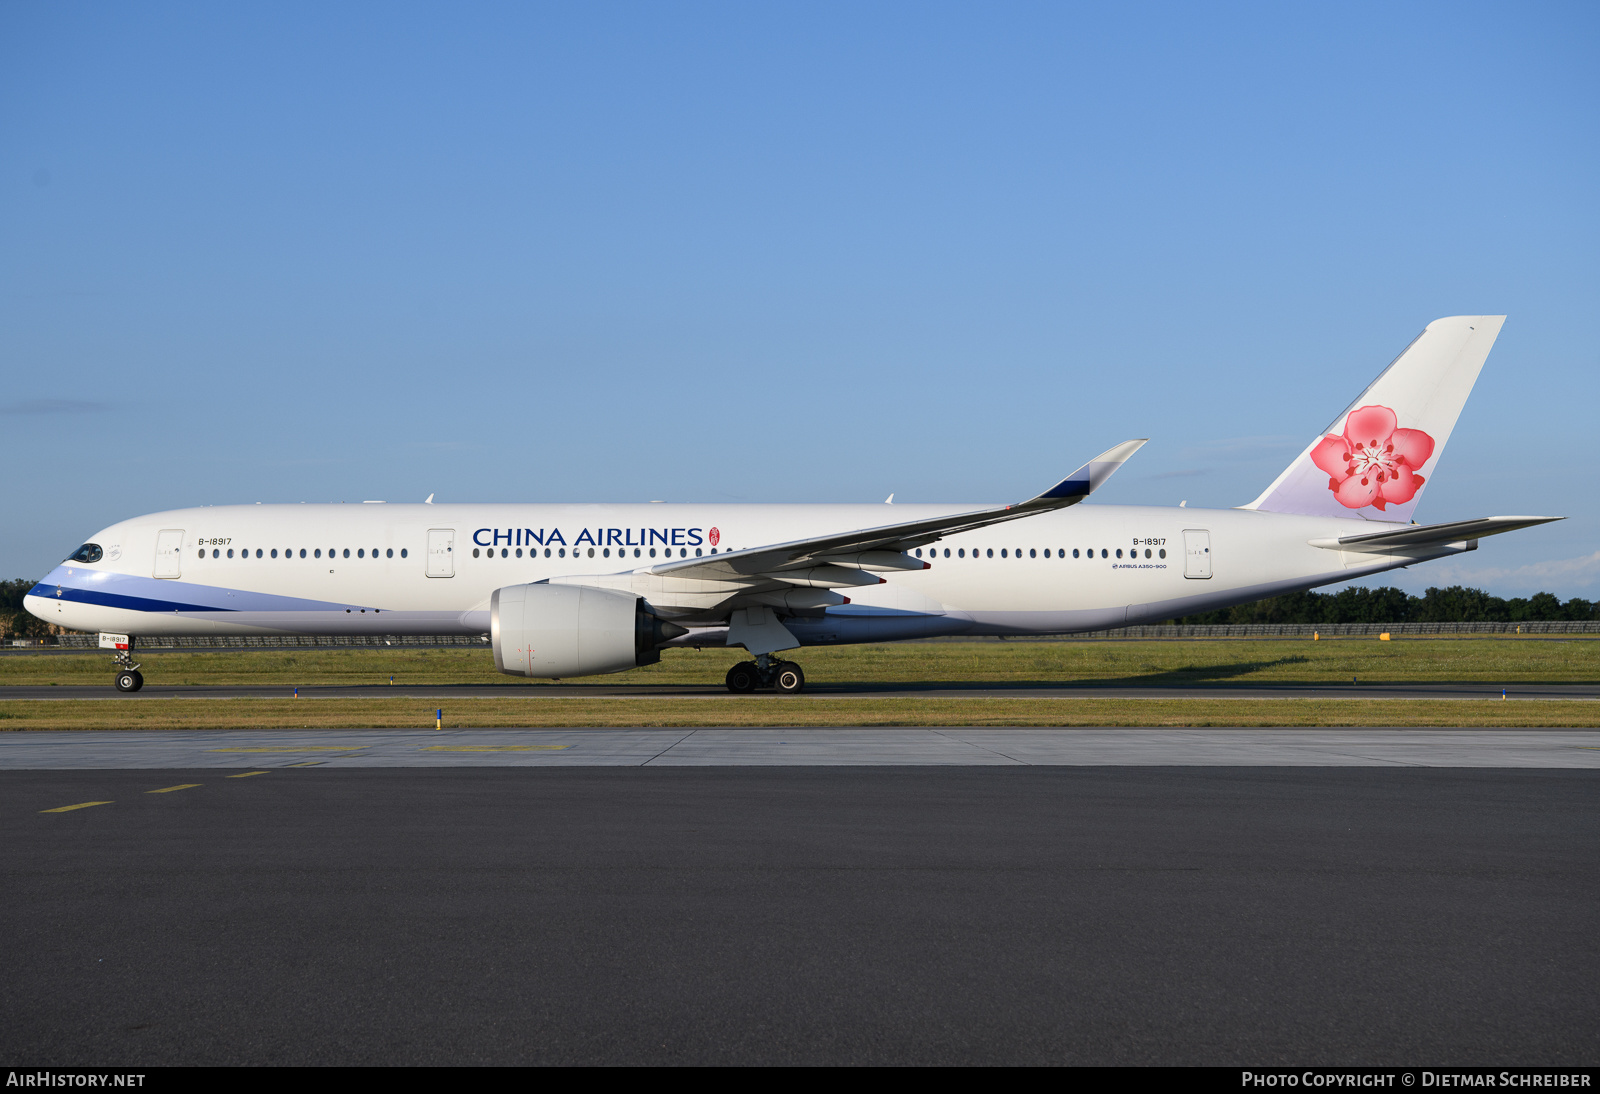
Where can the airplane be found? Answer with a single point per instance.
(578, 590)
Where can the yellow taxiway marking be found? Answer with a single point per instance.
(170, 789)
(308, 763)
(244, 774)
(495, 748)
(299, 748)
(70, 808)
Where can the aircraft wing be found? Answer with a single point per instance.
(883, 547)
(1430, 535)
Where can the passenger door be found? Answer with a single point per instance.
(169, 553)
(1196, 553)
(441, 552)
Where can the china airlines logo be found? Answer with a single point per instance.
(1373, 463)
(714, 536)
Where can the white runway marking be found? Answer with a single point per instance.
(714, 747)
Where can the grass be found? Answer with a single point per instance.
(773, 710)
(1497, 660)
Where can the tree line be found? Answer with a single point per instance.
(1456, 604)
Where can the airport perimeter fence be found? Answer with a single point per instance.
(1248, 630)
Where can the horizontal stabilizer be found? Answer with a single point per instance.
(1430, 535)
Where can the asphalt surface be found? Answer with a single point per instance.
(801, 915)
(222, 751)
(873, 690)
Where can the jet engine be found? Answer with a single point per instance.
(573, 630)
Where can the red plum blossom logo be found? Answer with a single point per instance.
(716, 537)
(1373, 463)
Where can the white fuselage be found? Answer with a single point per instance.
(368, 569)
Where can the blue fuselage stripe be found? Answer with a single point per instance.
(114, 600)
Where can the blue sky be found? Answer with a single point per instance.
(785, 253)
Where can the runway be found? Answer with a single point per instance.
(792, 747)
(956, 690)
(800, 915)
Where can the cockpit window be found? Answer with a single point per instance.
(89, 552)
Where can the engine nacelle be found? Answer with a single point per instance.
(571, 630)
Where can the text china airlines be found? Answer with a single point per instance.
(597, 537)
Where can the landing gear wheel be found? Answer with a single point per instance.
(789, 680)
(743, 678)
(130, 680)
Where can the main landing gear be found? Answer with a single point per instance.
(764, 672)
(129, 678)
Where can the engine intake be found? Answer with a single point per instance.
(572, 630)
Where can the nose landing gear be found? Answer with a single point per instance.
(129, 678)
(763, 672)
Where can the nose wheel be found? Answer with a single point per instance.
(129, 678)
(748, 676)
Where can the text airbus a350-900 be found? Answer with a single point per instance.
(577, 590)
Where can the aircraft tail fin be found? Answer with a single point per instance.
(1374, 459)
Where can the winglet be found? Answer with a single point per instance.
(1088, 478)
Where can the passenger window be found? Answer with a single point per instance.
(961, 552)
(1163, 552)
(317, 553)
(519, 552)
(591, 552)
(361, 552)
(1119, 552)
(1003, 552)
(919, 552)
(605, 552)
(947, 552)
(697, 552)
(1032, 555)
(1074, 552)
(347, 552)
(1147, 552)
(991, 552)
(402, 552)
(274, 552)
(474, 552)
